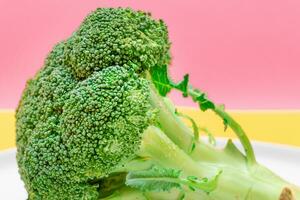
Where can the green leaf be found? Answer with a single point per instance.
(204, 184)
(164, 84)
(161, 80)
(165, 179)
(183, 85)
(154, 179)
(202, 99)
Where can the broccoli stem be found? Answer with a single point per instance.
(160, 79)
(181, 135)
(170, 124)
(169, 146)
(237, 180)
(240, 177)
(161, 150)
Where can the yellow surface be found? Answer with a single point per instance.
(7, 129)
(263, 125)
(277, 126)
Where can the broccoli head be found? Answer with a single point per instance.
(95, 123)
(75, 116)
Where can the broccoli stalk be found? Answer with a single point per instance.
(203, 160)
(258, 182)
(162, 166)
(238, 179)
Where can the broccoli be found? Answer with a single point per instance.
(95, 123)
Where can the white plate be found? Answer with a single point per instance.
(283, 160)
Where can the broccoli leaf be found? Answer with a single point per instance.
(165, 179)
(155, 179)
(164, 84)
(204, 184)
(202, 99)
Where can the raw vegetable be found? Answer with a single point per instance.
(95, 123)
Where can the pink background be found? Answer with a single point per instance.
(244, 53)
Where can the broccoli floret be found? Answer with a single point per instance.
(109, 37)
(95, 123)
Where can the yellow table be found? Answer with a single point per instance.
(277, 126)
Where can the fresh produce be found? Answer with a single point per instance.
(95, 123)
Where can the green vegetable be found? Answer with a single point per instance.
(95, 123)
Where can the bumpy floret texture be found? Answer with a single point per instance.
(116, 37)
(82, 110)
